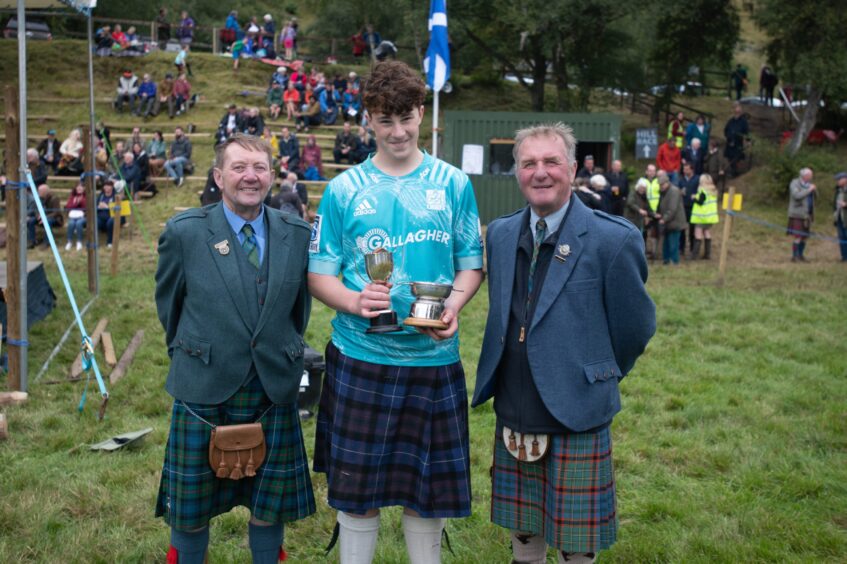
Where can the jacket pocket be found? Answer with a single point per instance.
(194, 347)
(601, 371)
(582, 285)
(295, 350)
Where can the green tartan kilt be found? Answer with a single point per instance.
(190, 494)
(568, 496)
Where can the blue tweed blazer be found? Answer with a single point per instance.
(592, 320)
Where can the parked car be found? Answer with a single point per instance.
(35, 29)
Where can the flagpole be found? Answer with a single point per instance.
(435, 124)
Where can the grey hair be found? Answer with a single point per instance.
(558, 129)
(805, 171)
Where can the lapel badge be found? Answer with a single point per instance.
(563, 251)
(223, 247)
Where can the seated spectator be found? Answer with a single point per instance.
(134, 137)
(166, 96)
(119, 37)
(104, 40)
(272, 140)
(231, 123)
(352, 105)
(105, 200)
(36, 168)
(211, 192)
(132, 39)
(298, 79)
(309, 117)
(181, 61)
(254, 124)
(339, 83)
(127, 91)
(118, 152)
(104, 134)
(280, 76)
(329, 102)
(300, 189)
(182, 94)
(311, 162)
(52, 209)
(289, 151)
(346, 145)
(76, 217)
(130, 173)
(306, 97)
(48, 150)
(275, 100)
(179, 155)
(157, 153)
(367, 145)
(185, 31)
(353, 83)
(70, 163)
(287, 37)
(142, 161)
(287, 200)
(292, 100)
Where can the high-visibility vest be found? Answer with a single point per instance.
(707, 212)
(680, 137)
(653, 192)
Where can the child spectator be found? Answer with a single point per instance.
(181, 60)
(76, 216)
(287, 37)
(119, 37)
(275, 100)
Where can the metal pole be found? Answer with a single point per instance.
(435, 124)
(13, 219)
(22, 199)
(91, 228)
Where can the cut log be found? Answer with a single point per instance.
(76, 368)
(4, 428)
(108, 348)
(126, 358)
(13, 398)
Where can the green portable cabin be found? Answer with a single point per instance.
(480, 143)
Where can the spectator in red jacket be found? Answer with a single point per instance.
(669, 159)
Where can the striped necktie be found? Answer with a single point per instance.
(540, 234)
(250, 245)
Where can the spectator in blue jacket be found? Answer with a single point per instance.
(146, 97)
(698, 129)
(329, 104)
(352, 105)
(289, 151)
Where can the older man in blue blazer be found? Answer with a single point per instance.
(568, 317)
(231, 295)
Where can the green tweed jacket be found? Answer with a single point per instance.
(200, 298)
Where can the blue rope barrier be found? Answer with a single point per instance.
(765, 223)
(87, 349)
(16, 342)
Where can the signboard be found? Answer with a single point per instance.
(646, 143)
(472, 159)
(125, 208)
(736, 202)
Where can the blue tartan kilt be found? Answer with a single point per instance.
(568, 496)
(394, 435)
(189, 492)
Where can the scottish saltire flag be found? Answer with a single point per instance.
(437, 62)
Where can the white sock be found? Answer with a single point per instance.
(577, 557)
(528, 549)
(357, 538)
(423, 539)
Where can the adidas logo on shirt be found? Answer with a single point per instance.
(365, 208)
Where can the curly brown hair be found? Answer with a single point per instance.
(393, 88)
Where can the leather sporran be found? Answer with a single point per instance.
(236, 451)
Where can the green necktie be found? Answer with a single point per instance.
(250, 245)
(540, 234)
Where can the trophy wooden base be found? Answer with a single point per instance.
(418, 322)
(385, 322)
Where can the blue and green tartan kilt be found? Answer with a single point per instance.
(190, 494)
(568, 496)
(394, 435)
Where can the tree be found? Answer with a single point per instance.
(808, 47)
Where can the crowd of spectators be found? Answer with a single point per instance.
(147, 99)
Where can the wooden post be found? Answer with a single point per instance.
(116, 232)
(154, 32)
(215, 45)
(90, 210)
(126, 358)
(727, 230)
(13, 242)
(4, 427)
(108, 348)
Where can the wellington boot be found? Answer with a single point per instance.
(707, 254)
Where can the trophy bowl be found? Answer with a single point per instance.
(428, 306)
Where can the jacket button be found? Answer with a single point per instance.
(502, 340)
(253, 343)
(197, 352)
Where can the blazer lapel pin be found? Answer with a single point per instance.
(563, 251)
(223, 247)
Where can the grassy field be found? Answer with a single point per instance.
(731, 446)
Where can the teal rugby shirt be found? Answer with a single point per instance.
(427, 218)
